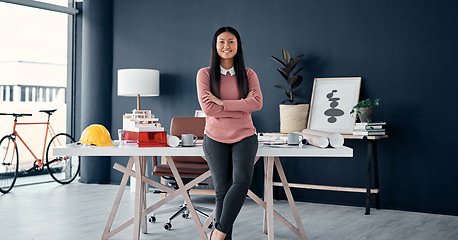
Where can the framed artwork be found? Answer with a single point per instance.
(199, 113)
(331, 104)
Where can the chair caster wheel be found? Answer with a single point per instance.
(167, 226)
(185, 215)
(152, 219)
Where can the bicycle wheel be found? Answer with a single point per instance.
(63, 169)
(9, 163)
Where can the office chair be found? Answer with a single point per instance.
(189, 167)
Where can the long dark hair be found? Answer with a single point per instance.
(239, 65)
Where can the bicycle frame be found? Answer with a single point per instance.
(49, 130)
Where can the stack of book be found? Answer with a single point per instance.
(369, 129)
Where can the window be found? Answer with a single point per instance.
(36, 45)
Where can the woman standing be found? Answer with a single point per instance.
(228, 93)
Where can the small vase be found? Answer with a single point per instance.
(366, 114)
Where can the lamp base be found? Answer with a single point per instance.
(138, 101)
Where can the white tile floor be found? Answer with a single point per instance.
(79, 211)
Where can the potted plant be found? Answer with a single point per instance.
(365, 108)
(293, 116)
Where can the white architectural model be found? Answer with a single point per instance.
(141, 121)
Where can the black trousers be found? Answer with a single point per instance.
(232, 168)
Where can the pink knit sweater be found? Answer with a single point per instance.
(232, 121)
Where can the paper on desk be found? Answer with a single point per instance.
(285, 146)
(199, 143)
(272, 140)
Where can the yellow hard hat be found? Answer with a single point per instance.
(96, 134)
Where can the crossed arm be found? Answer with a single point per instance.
(215, 107)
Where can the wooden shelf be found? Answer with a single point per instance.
(349, 136)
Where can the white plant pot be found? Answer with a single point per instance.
(293, 118)
(366, 114)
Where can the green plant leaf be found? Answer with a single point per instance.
(297, 82)
(279, 61)
(286, 56)
(377, 102)
(368, 102)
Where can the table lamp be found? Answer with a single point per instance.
(138, 82)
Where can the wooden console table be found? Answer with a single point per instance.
(371, 160)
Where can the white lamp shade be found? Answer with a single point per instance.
(132, 82)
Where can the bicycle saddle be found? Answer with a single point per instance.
(48, 111)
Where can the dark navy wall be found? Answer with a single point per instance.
(405, 51)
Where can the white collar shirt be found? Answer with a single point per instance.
(225, 71)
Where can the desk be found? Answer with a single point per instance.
(139, 155)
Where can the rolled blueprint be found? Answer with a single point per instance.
(173, 141)
(315, 140)
(336, 140)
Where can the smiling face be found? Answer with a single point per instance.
(226, 46)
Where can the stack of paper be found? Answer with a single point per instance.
(272, 140)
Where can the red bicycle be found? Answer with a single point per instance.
(63, 169)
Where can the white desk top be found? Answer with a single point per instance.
(133, 150)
